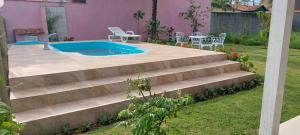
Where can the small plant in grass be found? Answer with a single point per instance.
(170, 33)
(66, 129)
(147, 114)
(246, 65)
(216, 92)
(86, 127)
(7, 125)
(105, 120)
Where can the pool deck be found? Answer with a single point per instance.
(32, 60)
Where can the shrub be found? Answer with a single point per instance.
(105, 120)
(85, 127)
(246, 65)
(147, 114)
(66, 129)
(295, 40)
(216, 92)
(7, 125)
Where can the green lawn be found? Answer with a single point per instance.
(234, 114)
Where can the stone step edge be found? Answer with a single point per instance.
(121, 79)
(240, 74)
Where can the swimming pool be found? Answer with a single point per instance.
(96, 48)
(29, 43)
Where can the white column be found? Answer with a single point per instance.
(281, 25)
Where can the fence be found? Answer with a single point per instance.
(246, 23)
(237, 23)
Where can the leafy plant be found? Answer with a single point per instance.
(159, 29)
(221, 4)
(51, 22)
(147, 114)
(246, 65)
(216, 92)
(138, 15)
(86, 127)
(195, 15)
(266, 21)
(170, 33)
(69, 39)
(66, 129)
(7, 125)
(105, 120)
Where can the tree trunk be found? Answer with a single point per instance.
(4, 90)
(154, 20)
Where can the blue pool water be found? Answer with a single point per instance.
(96, 48)
(29, 43)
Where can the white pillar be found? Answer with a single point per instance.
(280, 32)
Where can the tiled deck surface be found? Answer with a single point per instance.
(33, 60)
(290, 127)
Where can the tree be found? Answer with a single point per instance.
(154, 20)
(195, 15)
(4, 81)
(266, 21)
(138, 15)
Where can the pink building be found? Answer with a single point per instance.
(89, 21)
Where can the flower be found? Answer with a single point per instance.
(238, 55)
(229, 56)
(230, 49)
(234, 54)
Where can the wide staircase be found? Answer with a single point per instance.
(45, 102)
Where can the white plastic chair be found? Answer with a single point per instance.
(181, 38)
(219, 41)
(31, 38)
(125, 36)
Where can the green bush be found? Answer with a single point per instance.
(295, 40)
(146, 115)
(255, 40)
(7, 125)
(216, 92)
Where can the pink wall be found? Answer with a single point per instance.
(90, 21)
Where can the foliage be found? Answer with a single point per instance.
(147, 114)
(86, 127)
(221, 4)
(51, 22)
(7, 125)
(256, 40)
(69, 39)
(170, 33)
(295, 40)
(216, 92)
(138, 15)
(66, 129)
(195, 15)
(266, 21)
(159, 29)
(105, 120)
(246, 65)
(244, 39)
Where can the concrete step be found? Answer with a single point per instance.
(49, 119)
(42, 80)
(27, 99)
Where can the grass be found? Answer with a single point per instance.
(233, 114)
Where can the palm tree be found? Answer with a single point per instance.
(138, 15)
(154, 20)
